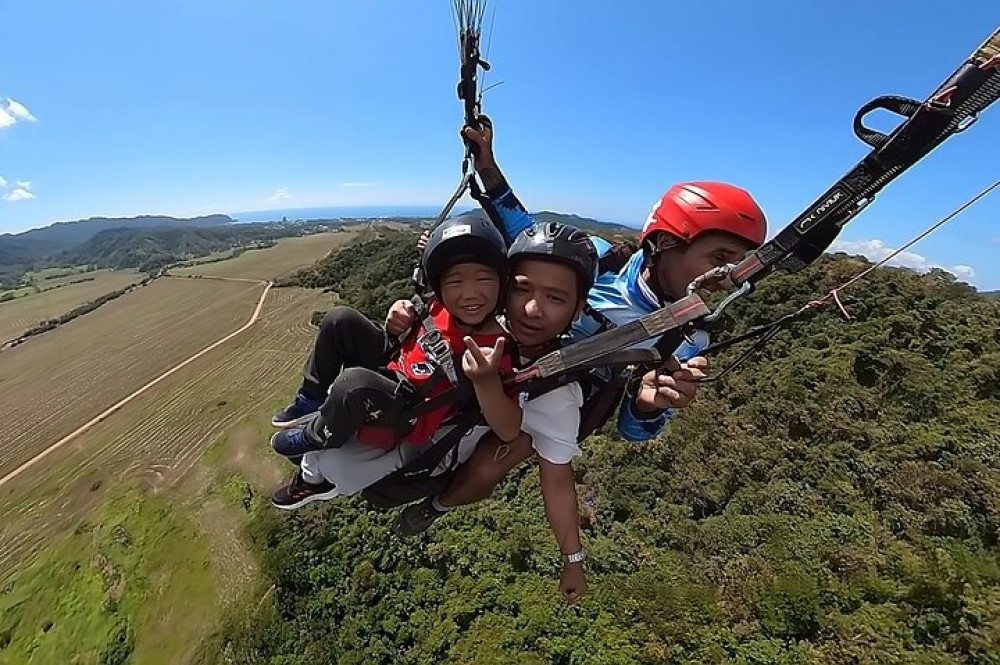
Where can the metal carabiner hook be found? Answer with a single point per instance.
(720, 275)
(746, 288)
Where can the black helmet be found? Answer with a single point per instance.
(561, 243)
(463, 239)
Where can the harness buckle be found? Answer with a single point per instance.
(437, 350)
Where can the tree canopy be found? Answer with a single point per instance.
(835, 500)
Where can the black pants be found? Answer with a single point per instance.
(348, 350)
(357, 397)
(347, 338)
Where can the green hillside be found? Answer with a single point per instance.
(837, 500)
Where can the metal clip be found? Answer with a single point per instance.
(718, 275)
(746, 288)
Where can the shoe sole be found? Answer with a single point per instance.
(287, 424)
(325, 496)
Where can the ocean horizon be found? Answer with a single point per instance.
(337, 212)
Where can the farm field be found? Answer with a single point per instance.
(54, 276)
(129, 538)
(288, 255)
(56, 381)
(17, 315)
(143, 472)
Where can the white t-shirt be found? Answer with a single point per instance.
(552, 420)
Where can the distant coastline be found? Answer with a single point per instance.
(334, 212)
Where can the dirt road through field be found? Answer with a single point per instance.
(128, 398)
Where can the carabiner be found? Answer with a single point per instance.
(746, 288)
(720, 275)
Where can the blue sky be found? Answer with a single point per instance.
(189, 107)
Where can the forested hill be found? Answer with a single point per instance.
(586, 223)
(38, 243)
(151, 249)
(607, 229)
(837, 500)
(33, 249)
(374, 270)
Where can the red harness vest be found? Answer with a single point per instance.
(413, 365)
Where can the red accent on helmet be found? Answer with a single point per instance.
(691, 208)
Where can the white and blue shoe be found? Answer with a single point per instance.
(298, 412)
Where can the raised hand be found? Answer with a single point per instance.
(480, 364)
(400, 318)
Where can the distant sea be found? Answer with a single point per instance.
(334, 212)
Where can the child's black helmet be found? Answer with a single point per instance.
(463, 239)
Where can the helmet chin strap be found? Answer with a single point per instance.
(653, 254)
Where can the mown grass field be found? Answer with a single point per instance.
(128, 540)
(47, 277)
(17, 315)
(56, 381)
(145, 469)
(288, 255)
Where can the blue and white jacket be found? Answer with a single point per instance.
(620, 298)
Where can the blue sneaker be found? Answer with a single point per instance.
(298, 412)
(293, 442)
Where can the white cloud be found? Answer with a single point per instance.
(12, 112)
(280, 196)
(357, 184)
(19, 191)
(19, 194)
(964, 273)
(876, 250)
(19, 111)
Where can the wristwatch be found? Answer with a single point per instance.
(576, 557)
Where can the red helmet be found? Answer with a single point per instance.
(691, 208)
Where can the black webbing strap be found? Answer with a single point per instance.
(431, 456)
(670, 318)
(903, 106)
(433, 343)
(949, 110)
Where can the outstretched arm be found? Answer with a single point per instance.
(653, 399)
(559, 493)
(513, 214)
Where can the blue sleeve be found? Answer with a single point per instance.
(637, 429)
(512, 213)
(601, 245)
(633, 427)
